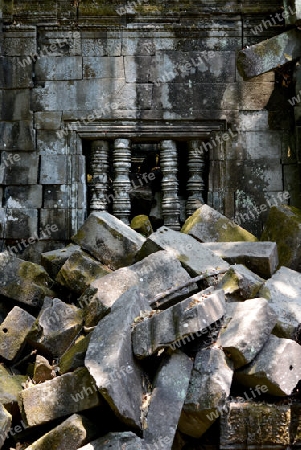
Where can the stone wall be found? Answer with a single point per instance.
(104, 72)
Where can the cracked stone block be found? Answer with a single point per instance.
(74, 357)
(64, 395)
(69, 435)
(56, 327)
(167, 399)
(240, 283)
(248, 329)
(175, 324)
(109, 240)
(5, 424)
(283, 226)
(14, 332)
(255, 424)
(117, 441)
(23, 281)
(208, 225)
(42, 371)
(54, 260)
(277, 365)
(208, 389)
(10, 388)
(260, 257)
(79, 271)
(193, 256)
(283, 292)
(110, 360)
(154, 274)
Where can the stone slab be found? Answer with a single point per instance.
(165, 328)
(240, 283)
(194, 257)
(208, 389)
(54, 260)
(278, 366)
(40, 402)
(110, 360)
(260, 257)
(109, 240)
(208, 225)
(248, 329)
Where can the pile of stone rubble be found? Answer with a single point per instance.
(178, 340)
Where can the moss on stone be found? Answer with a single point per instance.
(142, 225)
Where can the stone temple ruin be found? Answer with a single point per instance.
(182, 332)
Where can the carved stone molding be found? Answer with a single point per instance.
(169, 167)
(99, 182)
(195, 184)
(121, 183)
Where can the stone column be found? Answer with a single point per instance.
(170, 202)
(122, 183)
(195, 184)
(99, 181)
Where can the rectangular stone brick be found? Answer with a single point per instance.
(58, 68)
(23, 196)
(59, 196)
(261, 144)
(62, 218)
(54, 169)
(15, 105)
(20, 223)
(103, 67)
(47, 120)
(17, 136)
(254, 96)
(15, 73)
(94, 43)
(22, 171)
(20, 42)
(49, 144)
(59, 43)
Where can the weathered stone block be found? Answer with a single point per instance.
(208, 389)
(110, 360)
(60, 196)
(10, 388)
(103, 67)
(278, 366)
(54, 260)
(20, 42)
(69, 435)
(175, 324)
(58, 68)
(153, 275)
(48, 120)
(23, 281)
(21, 223)
(40, 402)
(260, 257)
(75, 356)
(109, 240)
(269, 54)
(283, 292)
(240, 283)
(118, 441)
(249, 327)
(240, 426)
(56, 326)
(14, 73)
(168, 396)
(193, 256)
(23, 197)
(61, 221)
(15, 105)
(79, 271)
(284, 227)
(54, 169)
(5, 424)
(208, 225)
(18, 135)
(49, 145)
(14, 331)
(42, 370)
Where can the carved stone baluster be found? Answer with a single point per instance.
(169, 167)
(122, 183)
(99, 181)
(195, 185)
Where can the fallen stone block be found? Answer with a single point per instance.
(62, 396)
(69, 435)
(151, 276)
(42, 371)
(109, 240)
(56, 326)
(53, 261)
(255, 424)
(269, 54)
(116, 441)
(248, 329)
(176, 324)
(5, 424)
(10, 388)
(283, 291)
(208, 389)
(168, 396)
(14, 332)
(142, 225)
(208, 225)
(195, 258)
(74, 357)
(277, 365)
(240, 283)
(79, 271)
(260, 257)
(24, 281)
(283, 226)
(110, 360)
